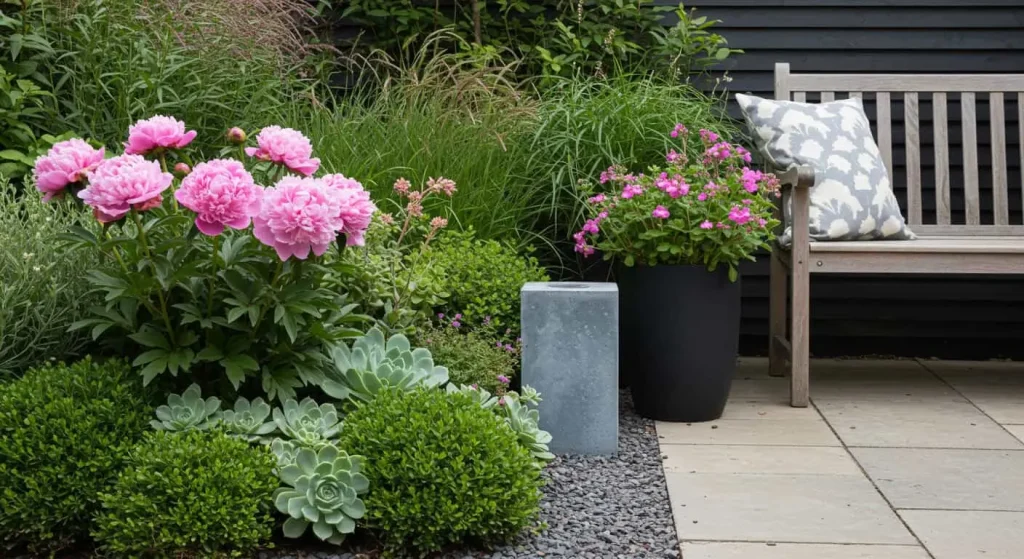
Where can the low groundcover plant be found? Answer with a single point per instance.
(713, 211)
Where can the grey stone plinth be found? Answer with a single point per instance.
(571, 355)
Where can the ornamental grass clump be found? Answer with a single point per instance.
(711, 211)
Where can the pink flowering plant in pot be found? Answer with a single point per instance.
(226, 271)
(715, 211)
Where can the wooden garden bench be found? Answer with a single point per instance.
(944, 247)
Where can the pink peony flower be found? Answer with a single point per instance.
(66, 163)
(298, 215)
(156, 133)
(222, 193)
(285, 146)
(356, 208)
(661, 212)
(341, 182)
(706, 224)
(124, 182)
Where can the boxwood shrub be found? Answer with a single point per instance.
(190, 494)
(442, 471)
(65, 432)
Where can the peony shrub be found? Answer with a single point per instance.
(194, 289)
(715, 211)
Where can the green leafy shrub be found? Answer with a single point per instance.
(472, 357)
(197, 493)
(484, 278)
(42, 290)
(65, 432)
(442, 470)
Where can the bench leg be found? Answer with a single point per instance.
(777, 354)
(800, 346)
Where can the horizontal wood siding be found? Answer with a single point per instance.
(923, 316)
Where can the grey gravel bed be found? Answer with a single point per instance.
(595, 507)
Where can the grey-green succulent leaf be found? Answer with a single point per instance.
(524, 422)
(321, 489)
(187, 412)
(374, 362)
(249, 420)
(285, 451)
(479, 395)
(307, 424)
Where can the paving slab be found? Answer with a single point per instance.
(733, 550)
(789, 508)
(947, 479)
(791, 432)
(968, 534)
(934, 423)
(1016, 430)
(997, 387)
(740, 459)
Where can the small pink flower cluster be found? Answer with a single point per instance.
(631, 190)
(678, 130)
(414, 205)
(675, 186)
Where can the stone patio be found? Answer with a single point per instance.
(893, 460)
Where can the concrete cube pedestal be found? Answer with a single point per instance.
(570, 355)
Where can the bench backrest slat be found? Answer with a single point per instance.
(997, 120)
(885, 90)
(912, 125)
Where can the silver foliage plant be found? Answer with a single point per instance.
(308, 424)
(322, 490)
(188, 411)
(374, 362)
(249, 420)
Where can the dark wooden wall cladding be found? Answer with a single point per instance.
(924, 316)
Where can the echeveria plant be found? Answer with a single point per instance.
(322, 490)
(308, 424)
(248, 420)
(710, 212)
(187, 412)
(373, 363)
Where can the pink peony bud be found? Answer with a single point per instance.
(182, 169)
(236, 136)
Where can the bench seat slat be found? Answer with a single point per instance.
(952, 245)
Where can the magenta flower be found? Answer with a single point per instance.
(632, 190)
(743, 153)
(157, 133)
(660, 213)
(702, 196)
(679, 129)
(222, 193)
(456, 324)
(706, 224)
(739, 216)
(591, 227)
(285, 146)
(602, 216)
(720, 151)
(750, 179)
(298, 215)
(66, 163)
(503, 379)
(124, 182)
(597, 199)
(672, 156)
(708, 136)
(356, 208)
(608, 175)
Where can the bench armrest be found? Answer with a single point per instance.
(800, 176)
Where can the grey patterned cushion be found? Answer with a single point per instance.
(852, 198)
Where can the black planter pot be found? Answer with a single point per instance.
(679, 337)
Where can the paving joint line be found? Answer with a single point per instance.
(864, 472)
